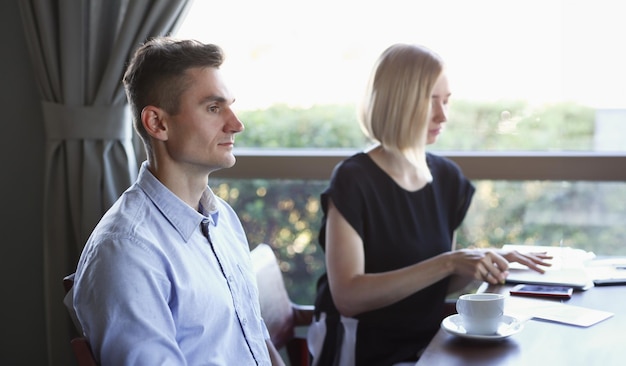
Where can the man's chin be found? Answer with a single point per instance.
(227, 164)
(231, 163)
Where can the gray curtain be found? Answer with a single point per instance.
(79, 50)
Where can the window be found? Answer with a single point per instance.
(537, 119)
(532, 75)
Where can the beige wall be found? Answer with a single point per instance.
(22, 328)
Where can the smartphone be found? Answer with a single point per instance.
(560, 292)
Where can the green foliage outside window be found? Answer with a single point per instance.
(471, 126)
(500, 126)
(281, 126)
(286, 215)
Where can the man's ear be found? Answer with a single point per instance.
(154, 122)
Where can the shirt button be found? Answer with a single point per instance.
(231, 278)
(244, 321)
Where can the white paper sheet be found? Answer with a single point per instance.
(524, 309)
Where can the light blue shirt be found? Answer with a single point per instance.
(152, 289)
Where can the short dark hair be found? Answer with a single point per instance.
(156, 75)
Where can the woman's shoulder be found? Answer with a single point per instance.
(357, 162)
(442, 165)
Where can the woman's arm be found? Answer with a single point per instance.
(355, 291)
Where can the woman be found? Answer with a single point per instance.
(389, 219)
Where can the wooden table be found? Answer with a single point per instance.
(544, 343)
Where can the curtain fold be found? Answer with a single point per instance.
(79, 49)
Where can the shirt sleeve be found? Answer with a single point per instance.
(347, 194)
(266, 332)
(128, 321)
(463, 191)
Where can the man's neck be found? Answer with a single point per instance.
(186, 185)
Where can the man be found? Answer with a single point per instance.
(166, 277)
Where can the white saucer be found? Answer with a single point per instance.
(509, 326)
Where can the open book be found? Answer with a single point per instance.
(607, 271)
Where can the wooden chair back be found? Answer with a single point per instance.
(80, 345)
(280, 314)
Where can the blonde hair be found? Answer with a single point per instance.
(397, 103)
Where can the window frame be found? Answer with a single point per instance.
(317, 164)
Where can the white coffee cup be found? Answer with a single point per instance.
(481, 313)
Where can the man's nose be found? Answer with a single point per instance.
(234, 124)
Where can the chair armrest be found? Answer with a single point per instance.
(297, 348)
(302, 314)
(82, 351)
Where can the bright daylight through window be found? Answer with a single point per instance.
(541, 76)
(532, 75)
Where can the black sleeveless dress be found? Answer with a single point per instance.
(398, 228)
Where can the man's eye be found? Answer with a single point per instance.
(214, 109)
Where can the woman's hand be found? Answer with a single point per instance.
(493, 265)
(484, 265)
(530, 260)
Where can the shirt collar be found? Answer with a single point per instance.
(183, 218)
